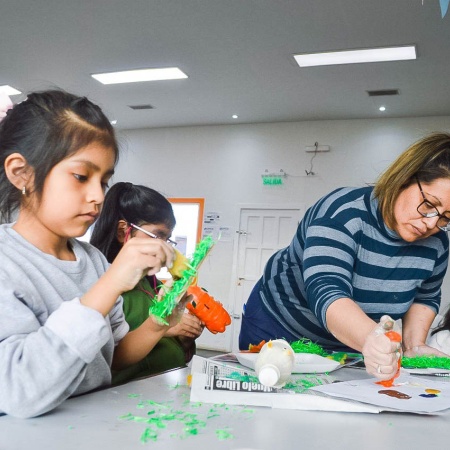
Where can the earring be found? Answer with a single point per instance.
(24, 190)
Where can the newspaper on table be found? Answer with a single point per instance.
(228, 382)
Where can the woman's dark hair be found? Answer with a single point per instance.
(427, 160)
(132, 203)
(46, 128)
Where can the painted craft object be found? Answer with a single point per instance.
(184, 273)
(275, 363)
(208, 310)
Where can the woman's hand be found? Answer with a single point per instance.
(421, 350)
(139, 257)
(380, 354)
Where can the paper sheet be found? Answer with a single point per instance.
(418, 395)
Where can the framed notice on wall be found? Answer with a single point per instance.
(189, 216)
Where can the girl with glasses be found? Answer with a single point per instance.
(134, 211)
(360, 254)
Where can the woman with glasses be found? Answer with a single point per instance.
(360, 254)
(129, 211)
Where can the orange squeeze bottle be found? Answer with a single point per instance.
(393, 337)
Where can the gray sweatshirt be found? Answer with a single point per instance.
(51, 346)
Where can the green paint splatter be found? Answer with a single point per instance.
(149, 435)
(160, 416)
(223, 434)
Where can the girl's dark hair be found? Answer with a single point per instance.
(46, 128)
(132, 203)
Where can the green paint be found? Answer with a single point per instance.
(426, 362)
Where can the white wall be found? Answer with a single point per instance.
(224, 164)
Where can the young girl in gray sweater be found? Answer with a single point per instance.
(61, 323)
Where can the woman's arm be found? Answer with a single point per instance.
(348, 323)
(416, 325)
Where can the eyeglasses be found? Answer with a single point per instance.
(169, 241)
(428, 210)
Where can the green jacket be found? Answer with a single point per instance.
(167, 354)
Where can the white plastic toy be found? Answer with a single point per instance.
(274, 363)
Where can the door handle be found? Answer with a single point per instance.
(236, 316)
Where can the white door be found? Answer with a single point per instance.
(261, 233)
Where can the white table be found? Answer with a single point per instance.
(92, 422)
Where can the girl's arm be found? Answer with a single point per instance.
(139, 342)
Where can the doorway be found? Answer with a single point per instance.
(262, 231)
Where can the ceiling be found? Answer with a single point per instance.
(237, 55)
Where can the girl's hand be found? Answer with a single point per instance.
(380, 354)
(189, 326)
(137, 258)
(178, 312)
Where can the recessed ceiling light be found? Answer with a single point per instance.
(382, 108)
(234, 116)
(9, 90)
(134, 76)
(357, 56)
(113, 122)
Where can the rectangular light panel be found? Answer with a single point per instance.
(357, 56)
(9, 90)
(134, 76)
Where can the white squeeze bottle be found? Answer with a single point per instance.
(274, 363)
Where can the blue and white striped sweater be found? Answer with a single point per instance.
(342, 248)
